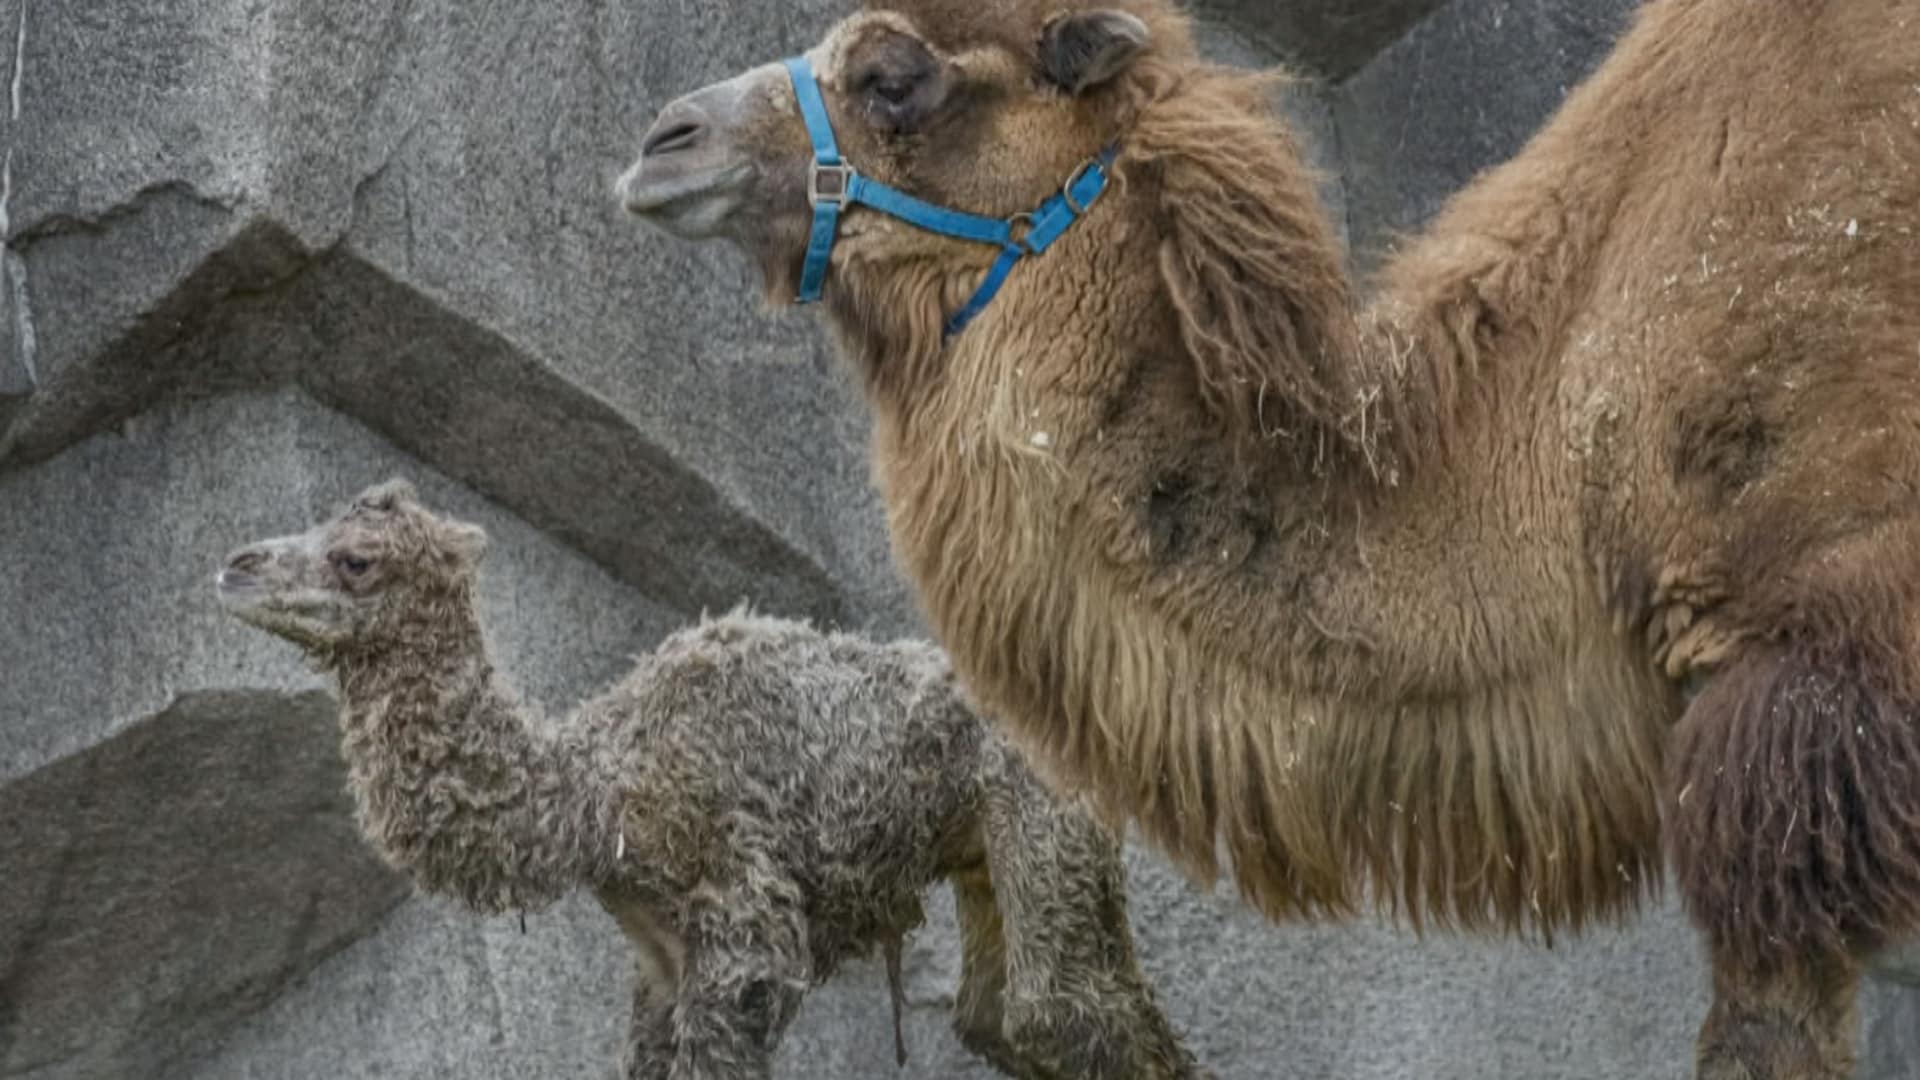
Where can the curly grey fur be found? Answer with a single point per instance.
(455, 788)
(755, 803)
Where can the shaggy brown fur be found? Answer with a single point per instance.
(1404, 596)
(755, 803)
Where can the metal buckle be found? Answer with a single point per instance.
(834, 194)
(1066, 189)
(1019, 227)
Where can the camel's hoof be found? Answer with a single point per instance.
(1728, 1067)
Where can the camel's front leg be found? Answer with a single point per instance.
(1793, 820)
(747, 968)
(650, 1044)
(979, 1007)
(1073, 1000)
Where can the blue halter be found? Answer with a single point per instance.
(833, 185)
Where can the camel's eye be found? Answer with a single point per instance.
(351, 566)
(900, 85)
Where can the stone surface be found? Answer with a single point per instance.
(1327, 38)
(259, 253)
(1891, 1029)
(1306, 103)
(411, 173)
(1462, 91)
(17, 345)
(113, 545)
(436, 992)
(144, 877)
(1901, 965)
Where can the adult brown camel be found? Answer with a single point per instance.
(1592, 530)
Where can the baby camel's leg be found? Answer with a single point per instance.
(1076, 1002)
(747, 968)
(1794, 825)
(979, 1010)
(650, 1034)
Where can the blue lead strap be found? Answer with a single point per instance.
(833, 185)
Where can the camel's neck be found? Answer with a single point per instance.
(458, 787)
(1190, 408)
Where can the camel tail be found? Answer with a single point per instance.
(1795, 818)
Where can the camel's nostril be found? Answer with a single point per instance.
(668, 138)
(247, 561)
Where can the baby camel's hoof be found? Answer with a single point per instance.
(1724, 1068)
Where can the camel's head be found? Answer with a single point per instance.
(357, 578)
(985, 106)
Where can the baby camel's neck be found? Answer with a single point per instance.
(459, 787)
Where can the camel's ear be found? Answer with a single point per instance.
(468, 543)
(1085, 49)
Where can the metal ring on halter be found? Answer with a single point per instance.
(1019, 227)
(1066, 189)
(836, 196)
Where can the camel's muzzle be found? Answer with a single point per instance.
(690, 176)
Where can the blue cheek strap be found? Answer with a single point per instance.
(833, 185)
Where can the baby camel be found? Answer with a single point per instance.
(755, 803)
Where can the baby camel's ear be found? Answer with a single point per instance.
(388, 496)
(1085, 49)
(467, 543)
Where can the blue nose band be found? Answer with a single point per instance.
(833, 185)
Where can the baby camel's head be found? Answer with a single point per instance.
(383, 564)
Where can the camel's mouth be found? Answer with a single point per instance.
(684, 195)
(240, 593)
(260, 585)
(695, 164)
(309, 618)
(247, 596)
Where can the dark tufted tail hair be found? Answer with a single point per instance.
(1794, 823)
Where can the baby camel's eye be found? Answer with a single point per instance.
(350, 565)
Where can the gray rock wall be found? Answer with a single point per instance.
(259, 253)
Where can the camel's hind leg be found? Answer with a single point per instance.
(1780, 1024)
(1794, 825)
(1075, 1001)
